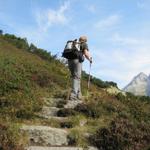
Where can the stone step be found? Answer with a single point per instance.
(48, 112)
(61, 119)
(72, 103)
(52, 102)
(59, 148)
(45, 136)
(53, 117)
(53, 148)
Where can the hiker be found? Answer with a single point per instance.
(75, 67)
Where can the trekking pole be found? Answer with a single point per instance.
(68, 87)
(89, 76)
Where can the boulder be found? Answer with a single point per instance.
(47, 112)
(45, 136)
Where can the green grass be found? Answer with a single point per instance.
(24, 79)
(10, 136)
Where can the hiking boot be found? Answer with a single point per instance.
(79, 96)
(73, 98)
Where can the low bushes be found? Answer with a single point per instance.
(96, 109)
(88, 110)
(10, 137)
(77, 137)
(66, 112)
(122, 134)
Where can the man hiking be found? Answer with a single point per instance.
(75, 67)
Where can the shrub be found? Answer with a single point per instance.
(120, 96)
(61, 103)
(10, 137)
(144, 98)
(73, 137)
(66, 112)
(98, 82)
(21, 43)
(76, 137)
(122, 135)
(90, 110)
(66, 124)
(42, 79)
(1, 32)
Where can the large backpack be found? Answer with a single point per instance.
(71, 50)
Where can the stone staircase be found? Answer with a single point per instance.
(49, 138)
(58, 148)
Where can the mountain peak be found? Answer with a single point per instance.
(140, 77)
(141, 74)
(139, 85)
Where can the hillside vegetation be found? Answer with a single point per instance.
(27, 74)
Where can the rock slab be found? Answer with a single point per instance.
(59, 148)
(45, 136)
(48, 112)
(72, 103)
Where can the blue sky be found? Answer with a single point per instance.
(118, 31)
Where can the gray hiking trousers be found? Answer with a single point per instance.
(75, 68)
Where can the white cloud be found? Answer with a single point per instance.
(136, 43)
(44, 20)
(124, 40)
(49, 17)
(108, 22)
(123, 63)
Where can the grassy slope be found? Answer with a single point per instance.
(25, 78)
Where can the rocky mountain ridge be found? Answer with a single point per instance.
(140, 85)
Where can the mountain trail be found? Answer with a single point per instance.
(42, 137)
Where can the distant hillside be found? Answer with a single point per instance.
(111, 119)
(140, 85)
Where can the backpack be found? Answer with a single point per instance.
(72, 50)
